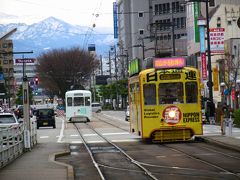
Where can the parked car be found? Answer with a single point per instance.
(96, 107)
(9, 120)
(127, 114)
(45, 117)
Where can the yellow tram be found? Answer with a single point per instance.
(165, 102)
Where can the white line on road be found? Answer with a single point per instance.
(120, 133)
(43, 137)
(61, 132)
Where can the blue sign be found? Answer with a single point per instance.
(202, 39)
(1, 77)
(115, 20)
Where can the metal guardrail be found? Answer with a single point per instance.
(12, 142)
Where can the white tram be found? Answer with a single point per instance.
(78, 105)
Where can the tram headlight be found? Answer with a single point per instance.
(172, 114)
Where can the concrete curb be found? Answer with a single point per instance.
(221, 144)
(70, 170)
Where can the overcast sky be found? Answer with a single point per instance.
(80, 12)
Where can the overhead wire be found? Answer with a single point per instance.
(89, 32)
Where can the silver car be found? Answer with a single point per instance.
(8, 121)
(96, 107)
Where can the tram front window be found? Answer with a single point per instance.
(170, 93)
(191, 92)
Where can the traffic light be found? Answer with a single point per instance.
(36, 80)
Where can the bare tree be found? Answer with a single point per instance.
(230, 72)
(60, 70)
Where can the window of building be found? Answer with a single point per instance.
(191, 92)
(229, 22)
(4, 45)
(160, 9)
(5, 61)
(168, 7)
(140, 14)
(141, 31)
(149, 92)
(156, 10)
(173, 7)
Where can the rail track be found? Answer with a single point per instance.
(102, 155)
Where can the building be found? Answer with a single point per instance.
(6, 62)
(151, 28)
(224, 15)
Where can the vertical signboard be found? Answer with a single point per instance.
(217, 40)
(196, 11)
(204, 66)
(202, 39)
(115, 20)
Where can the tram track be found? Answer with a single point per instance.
(98, 152)
(201, 157)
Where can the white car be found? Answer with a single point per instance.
(8, 120)
(96, 107)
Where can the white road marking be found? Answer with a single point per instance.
(74, 135)
(61, 132)
(120, 133)
(75, 142)
(125, 140)
(43, 137)
(87, 135)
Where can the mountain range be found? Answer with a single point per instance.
(53, 33)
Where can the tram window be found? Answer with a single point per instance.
(78, 101)
(87, 101)
(69, 101)
(170, 93)
(149, 91)
(191, 92)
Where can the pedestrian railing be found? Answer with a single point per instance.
(12, 142)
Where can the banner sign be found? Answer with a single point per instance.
(217, 40)
(115, 20)
(196, 10)
(25, 60)
(202, 39)
(204, 66)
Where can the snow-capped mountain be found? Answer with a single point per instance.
(53, 33)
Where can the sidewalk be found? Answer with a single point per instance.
(36, 164)
(213, 134)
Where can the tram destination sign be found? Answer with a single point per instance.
(168, 63)
(170, 76)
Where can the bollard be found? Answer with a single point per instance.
(223, 126)
(230, 125)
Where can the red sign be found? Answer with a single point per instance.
(217, 40)
(204, 66)
(25, 60)
(233, 94)
(172, 115)
(165, 63)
